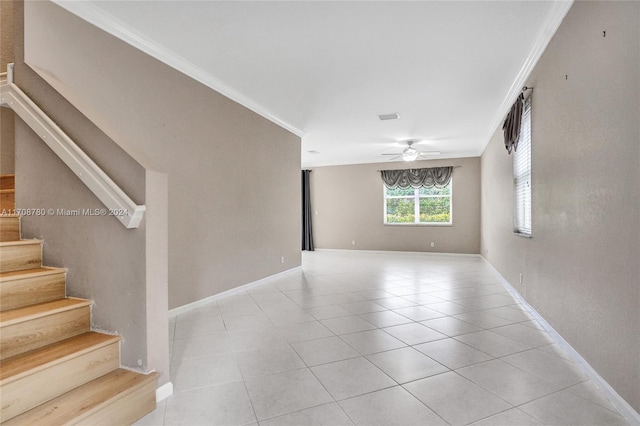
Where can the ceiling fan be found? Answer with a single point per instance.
(411, 154)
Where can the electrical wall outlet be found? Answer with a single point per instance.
(521, 278)
(353, 242)
(282, 259)
(433, 244)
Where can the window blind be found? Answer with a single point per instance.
(522, 175)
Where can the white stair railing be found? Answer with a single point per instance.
(115, 200)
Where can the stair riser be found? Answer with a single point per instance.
(7, 201)
(27, 392)
(29, 291)
(9, 228)
(7, 182)
(126, 410)
(22, 337)
(21, 257)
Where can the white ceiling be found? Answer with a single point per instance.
(326, 69)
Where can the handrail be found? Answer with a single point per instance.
(107, 191)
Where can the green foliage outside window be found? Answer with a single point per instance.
(434, 205)
(401, 210)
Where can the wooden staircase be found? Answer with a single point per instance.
(53, 369)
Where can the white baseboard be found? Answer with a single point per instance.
(164, 392)
(202, 302)
(621, 405)
(390, 252)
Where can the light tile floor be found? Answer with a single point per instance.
(374, 339)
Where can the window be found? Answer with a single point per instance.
(426, 206)
(522, 176)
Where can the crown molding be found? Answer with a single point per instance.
(106, 22)
(556, 16)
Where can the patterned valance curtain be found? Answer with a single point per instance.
(417, 178)
(511, 127)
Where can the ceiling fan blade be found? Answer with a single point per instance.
(429, 153)
(395, 158)
(397, 153)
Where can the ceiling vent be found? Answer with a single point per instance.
(392, 116)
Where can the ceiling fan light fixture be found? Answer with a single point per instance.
(410, 154)
(392, 116)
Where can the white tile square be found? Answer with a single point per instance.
(328, 311)
(525, 335)
(323, 415)
(423, 298)
(449, 308)
(387, 407)
(491, 343)
(513, 417)
(483, 319)
(226, 404)
(289, 316)
(363, 307)
(304, 331)
(564, 408)
(511, 313)
(373, 294)
(198, 327)
(270, 360)
(201, 346)
(344, 325)
(322, 351)
(385, 318)
(200, 372)
(451, 326)
(351, 377)
(547, 367)
(452, 353)
(406, 364)
(418, 313)
(456, 399)
(247, 322)
(283, 393)
(508, 382)
(556, 350)
(249, 340)
(587, 390)
(413, 334)
(371, 341)
(395, 302)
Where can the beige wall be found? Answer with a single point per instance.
(6, 115)
(581, 267)
(347, 205)
(106, 262)
(233, 176)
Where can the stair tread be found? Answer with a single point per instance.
(30, 362)
(19, 243)
(83, 400)
(26, 313)
(30, 273)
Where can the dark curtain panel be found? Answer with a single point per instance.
(417, 178)
(511, 127)
(307, 232)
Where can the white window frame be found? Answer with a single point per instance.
(522, 206)
(416, 205)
